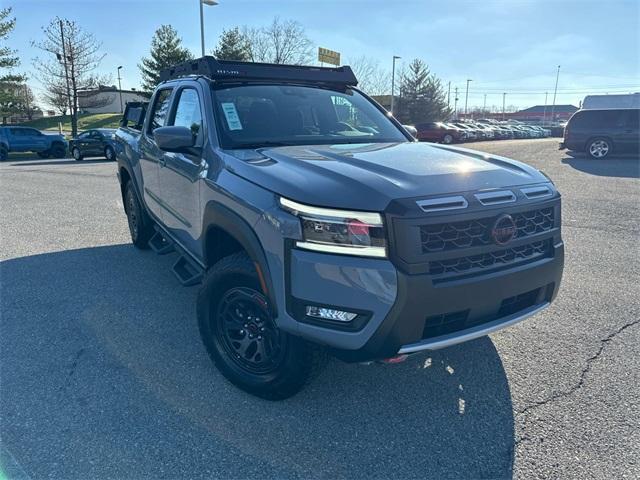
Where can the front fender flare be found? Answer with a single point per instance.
(217, 215)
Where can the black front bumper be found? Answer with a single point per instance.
(426, 311)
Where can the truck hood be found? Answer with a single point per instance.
(370, 176)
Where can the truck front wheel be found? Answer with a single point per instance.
(140, 225)
(241, 336)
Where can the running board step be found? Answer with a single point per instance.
(187, 271)
(160, 244)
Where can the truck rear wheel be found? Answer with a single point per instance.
(241, 336)
(140, 225)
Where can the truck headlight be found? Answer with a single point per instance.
(339, 231)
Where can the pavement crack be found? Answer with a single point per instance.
(74, 363)
(72, 369)
(583, 373)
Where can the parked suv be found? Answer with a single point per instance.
(601, 132)
(317, 225)
(25, 139)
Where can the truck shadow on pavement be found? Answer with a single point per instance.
(624, 166)
(104, 374)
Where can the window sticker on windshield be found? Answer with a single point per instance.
(231, 114)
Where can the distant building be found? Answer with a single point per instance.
(21, 117)
(106, 99)
(540, 112)
(535, 114)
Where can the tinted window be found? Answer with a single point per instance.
(84, 135)
(256, 115)
(160, 110)
(188, 113)
(590, 119)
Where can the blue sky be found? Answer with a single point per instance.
(504, 46)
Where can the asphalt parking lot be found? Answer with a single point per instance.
(104, 375)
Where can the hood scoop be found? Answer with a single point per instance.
(536, 192)
(495, 198)
(444, 203)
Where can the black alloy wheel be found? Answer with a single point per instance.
(248, 333)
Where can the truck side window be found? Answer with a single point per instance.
(160, 110)
(188, 113)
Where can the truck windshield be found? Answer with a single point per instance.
(254, 116)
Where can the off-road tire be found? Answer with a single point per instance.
(299, 362)
(140, 224)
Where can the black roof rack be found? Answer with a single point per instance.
(228, 70)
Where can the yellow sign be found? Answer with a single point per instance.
(328, 56)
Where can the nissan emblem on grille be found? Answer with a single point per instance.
(503, 230)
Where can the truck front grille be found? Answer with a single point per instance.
(477, 232)
(490, 260)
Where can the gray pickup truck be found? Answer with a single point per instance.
(318, 226)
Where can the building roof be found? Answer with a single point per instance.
(110, 89)
(542, 108)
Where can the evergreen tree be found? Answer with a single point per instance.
(166, 51)
(233, 45)
(422, 97)
(11, 84)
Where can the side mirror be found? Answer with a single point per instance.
(174, 139)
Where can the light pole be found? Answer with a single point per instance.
(504, 97)
(449, 96)
(484, 105)
(393, 80)
(120, 89)
(201, 3)
(455, 103)
(66, 72)
(544, 112)
(466, 97)
(555, 90)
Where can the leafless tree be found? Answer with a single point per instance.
(372, 79)
(69, 71)
(283, 41)
(56, 97)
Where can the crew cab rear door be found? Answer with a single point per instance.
(151, 155)
(180, 172)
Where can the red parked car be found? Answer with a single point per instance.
(438, 132)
